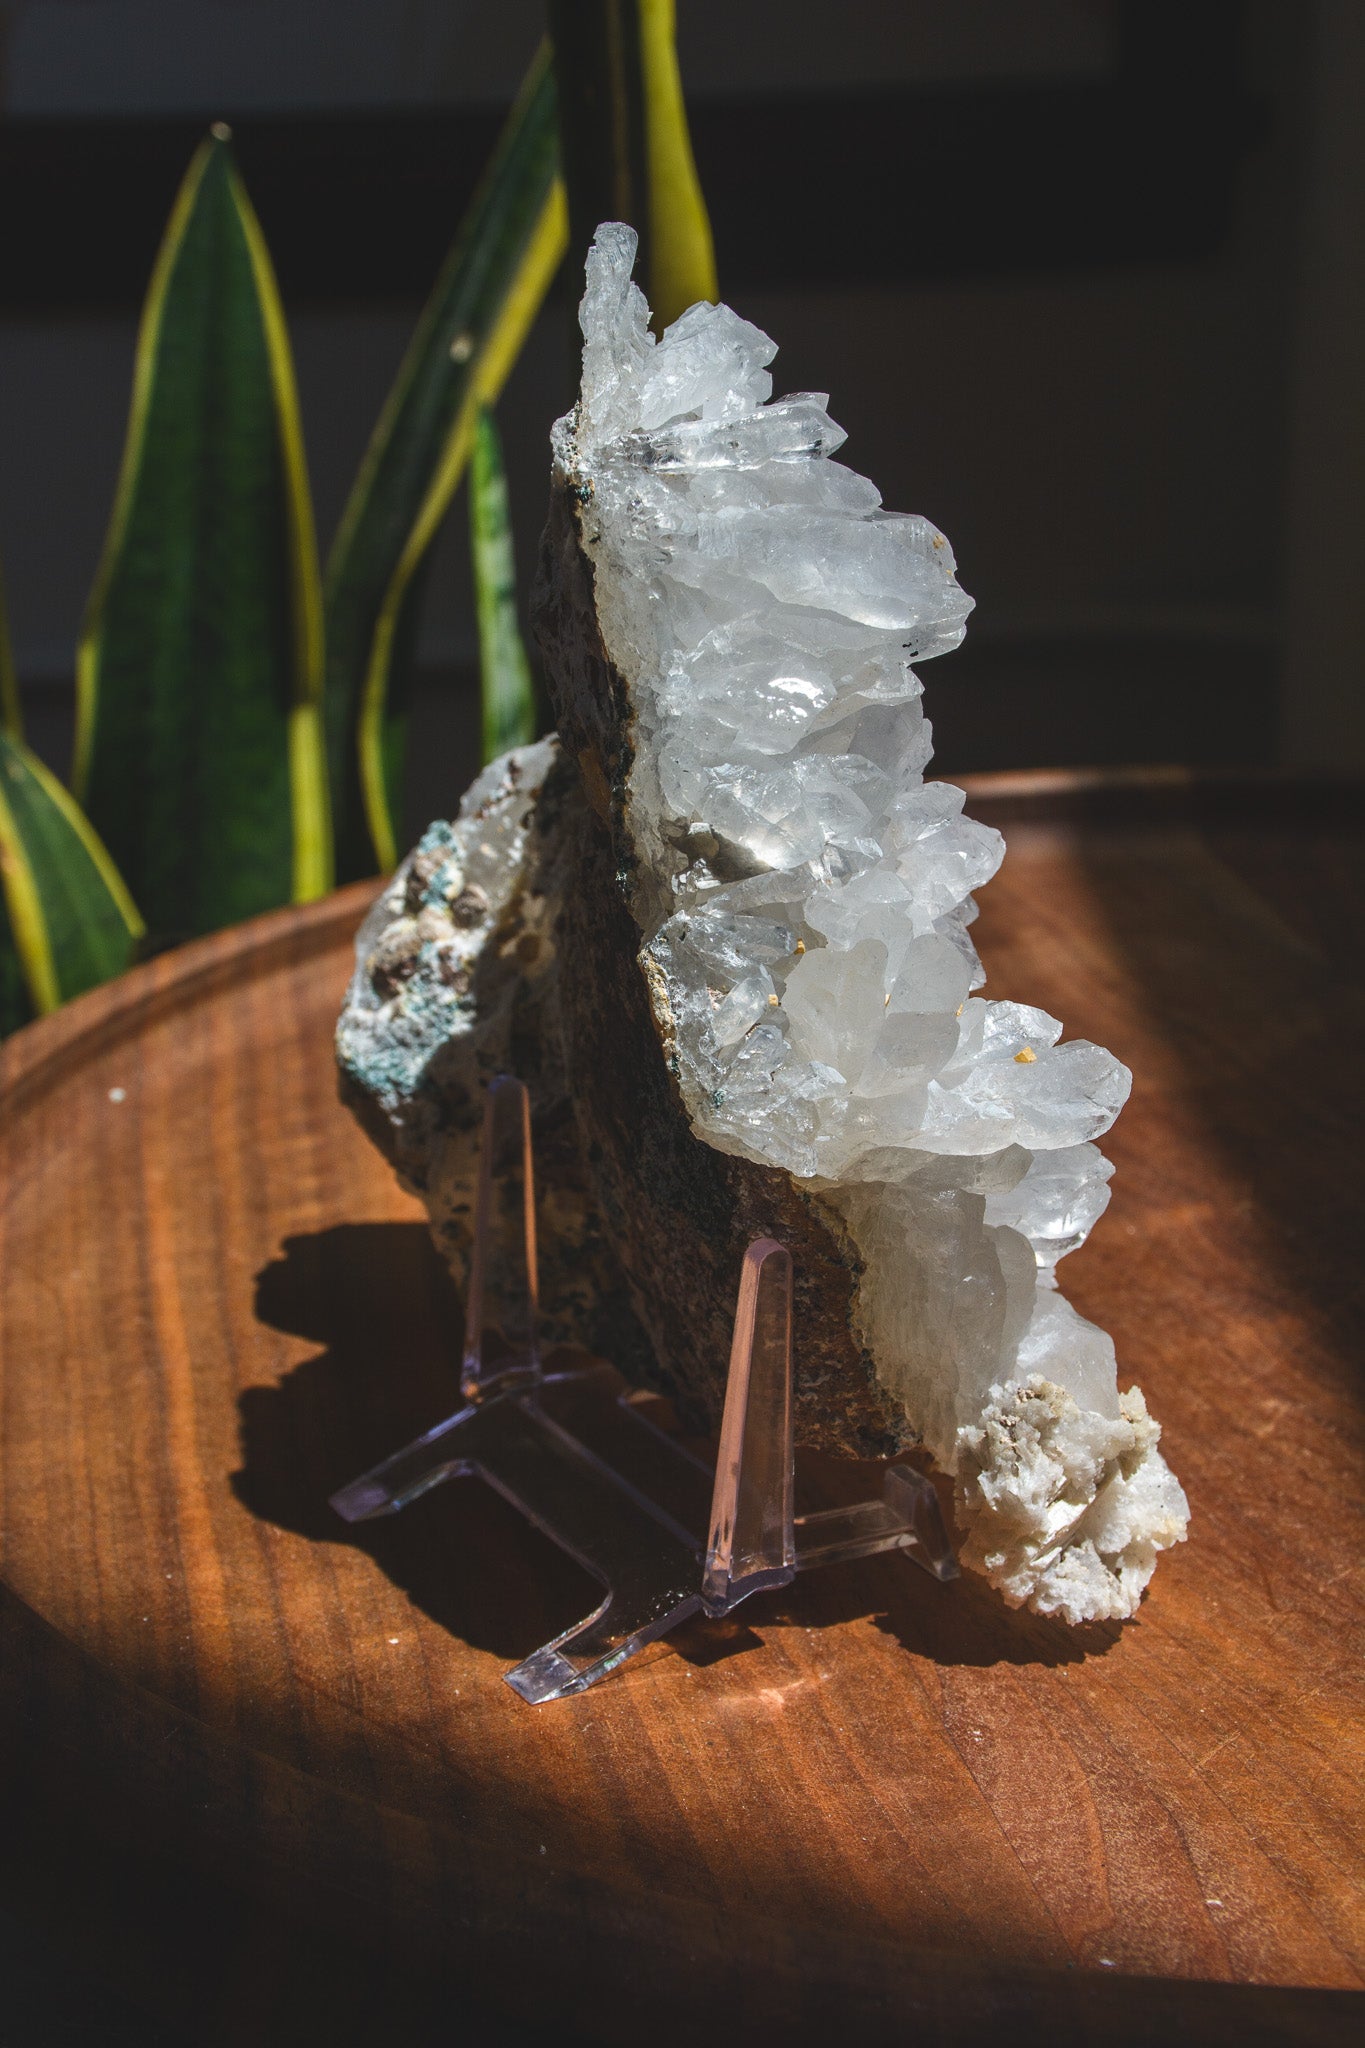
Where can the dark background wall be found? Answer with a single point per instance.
(1084, 278)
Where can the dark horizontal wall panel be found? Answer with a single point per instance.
(972, 184)
(873, 187)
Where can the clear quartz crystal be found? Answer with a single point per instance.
(805, 896)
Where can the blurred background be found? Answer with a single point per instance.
(1084, 277)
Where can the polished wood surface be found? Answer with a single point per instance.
(230, 1727)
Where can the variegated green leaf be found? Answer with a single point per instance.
(627, 150)
(66, 920)
(199, 719)
(489, 291)
(508, 694)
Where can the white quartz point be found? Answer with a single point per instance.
(804, 898)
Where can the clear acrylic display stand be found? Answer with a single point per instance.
(665, 1534)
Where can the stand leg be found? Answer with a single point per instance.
(503, 1283)
(597, 1647)
(751, 1544)
(408, 1474)
(646, 1567)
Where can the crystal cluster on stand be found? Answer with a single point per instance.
(801, 901)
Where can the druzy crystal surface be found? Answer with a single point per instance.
(804, 898)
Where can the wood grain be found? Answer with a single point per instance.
(247, 1749)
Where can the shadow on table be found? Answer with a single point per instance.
(377, 1297)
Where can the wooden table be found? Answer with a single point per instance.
(263, 1768)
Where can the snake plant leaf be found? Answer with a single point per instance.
(509, 698)
(67, 921)
(199, 744)
(488, 293)
(626, 146)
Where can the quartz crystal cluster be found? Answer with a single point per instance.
(804, 899)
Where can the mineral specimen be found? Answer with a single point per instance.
(723, 931)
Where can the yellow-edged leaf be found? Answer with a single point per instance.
(489, 290)
(682, 257)
(626, 146)
(68, 920)
(199, 675)
(529, 284)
